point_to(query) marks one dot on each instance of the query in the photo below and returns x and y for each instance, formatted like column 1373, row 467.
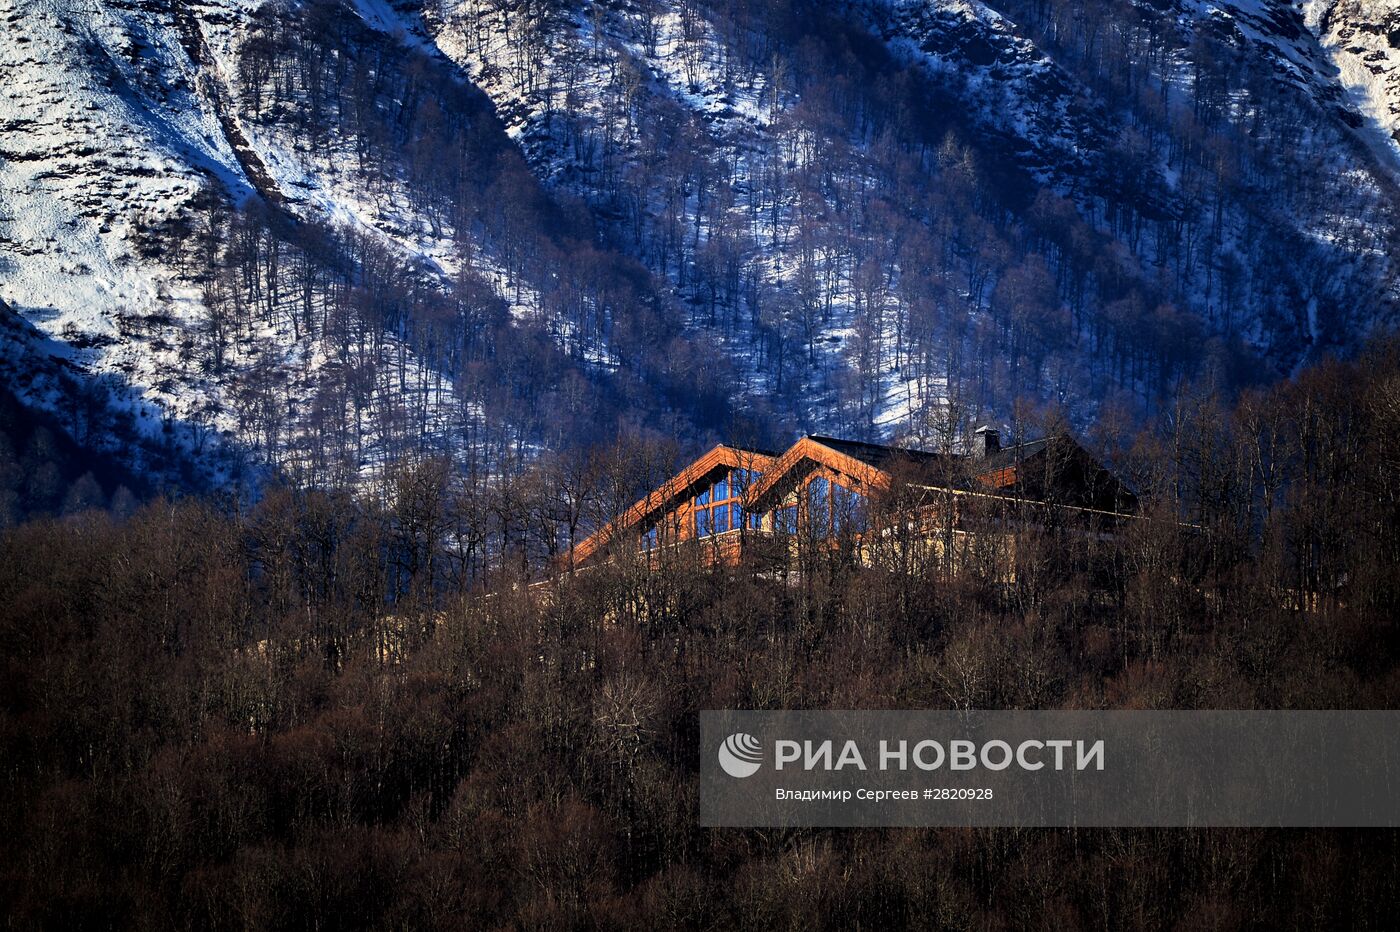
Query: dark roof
column 875, row 454
column 757, row 451
column 964, row 470
column 1009, row 456
column 881, row 456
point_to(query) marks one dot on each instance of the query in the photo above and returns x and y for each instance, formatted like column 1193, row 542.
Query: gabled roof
column 1056, row 468
column 865, row 463
column 722, row 456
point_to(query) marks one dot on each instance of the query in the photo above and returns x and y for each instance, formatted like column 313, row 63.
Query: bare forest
column 357, row 711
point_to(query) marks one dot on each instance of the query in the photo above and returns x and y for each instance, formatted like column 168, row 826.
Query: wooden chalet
column 823, row 489
column 704, row 501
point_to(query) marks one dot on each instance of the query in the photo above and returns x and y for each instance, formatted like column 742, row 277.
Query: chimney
column 986, row 441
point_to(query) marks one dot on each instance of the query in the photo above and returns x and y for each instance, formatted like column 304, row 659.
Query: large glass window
column 832, row 509
column 785, row 520
column 819, row 506
column 847, row 510
column 743, row 479
column 717, row 507
column 666, row 530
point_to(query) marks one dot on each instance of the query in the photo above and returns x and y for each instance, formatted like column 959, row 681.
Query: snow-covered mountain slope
column 101, row 133
column 1210, row 153
column 114, row 119
column 329, row 233
column 1362, row 38
column 125, row 130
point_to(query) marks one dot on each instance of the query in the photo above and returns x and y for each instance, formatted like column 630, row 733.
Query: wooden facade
column 827, row 489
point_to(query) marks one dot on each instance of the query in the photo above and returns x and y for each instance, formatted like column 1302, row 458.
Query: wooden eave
column 867, row 478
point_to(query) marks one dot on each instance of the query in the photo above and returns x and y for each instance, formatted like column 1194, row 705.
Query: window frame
column 709, row 503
